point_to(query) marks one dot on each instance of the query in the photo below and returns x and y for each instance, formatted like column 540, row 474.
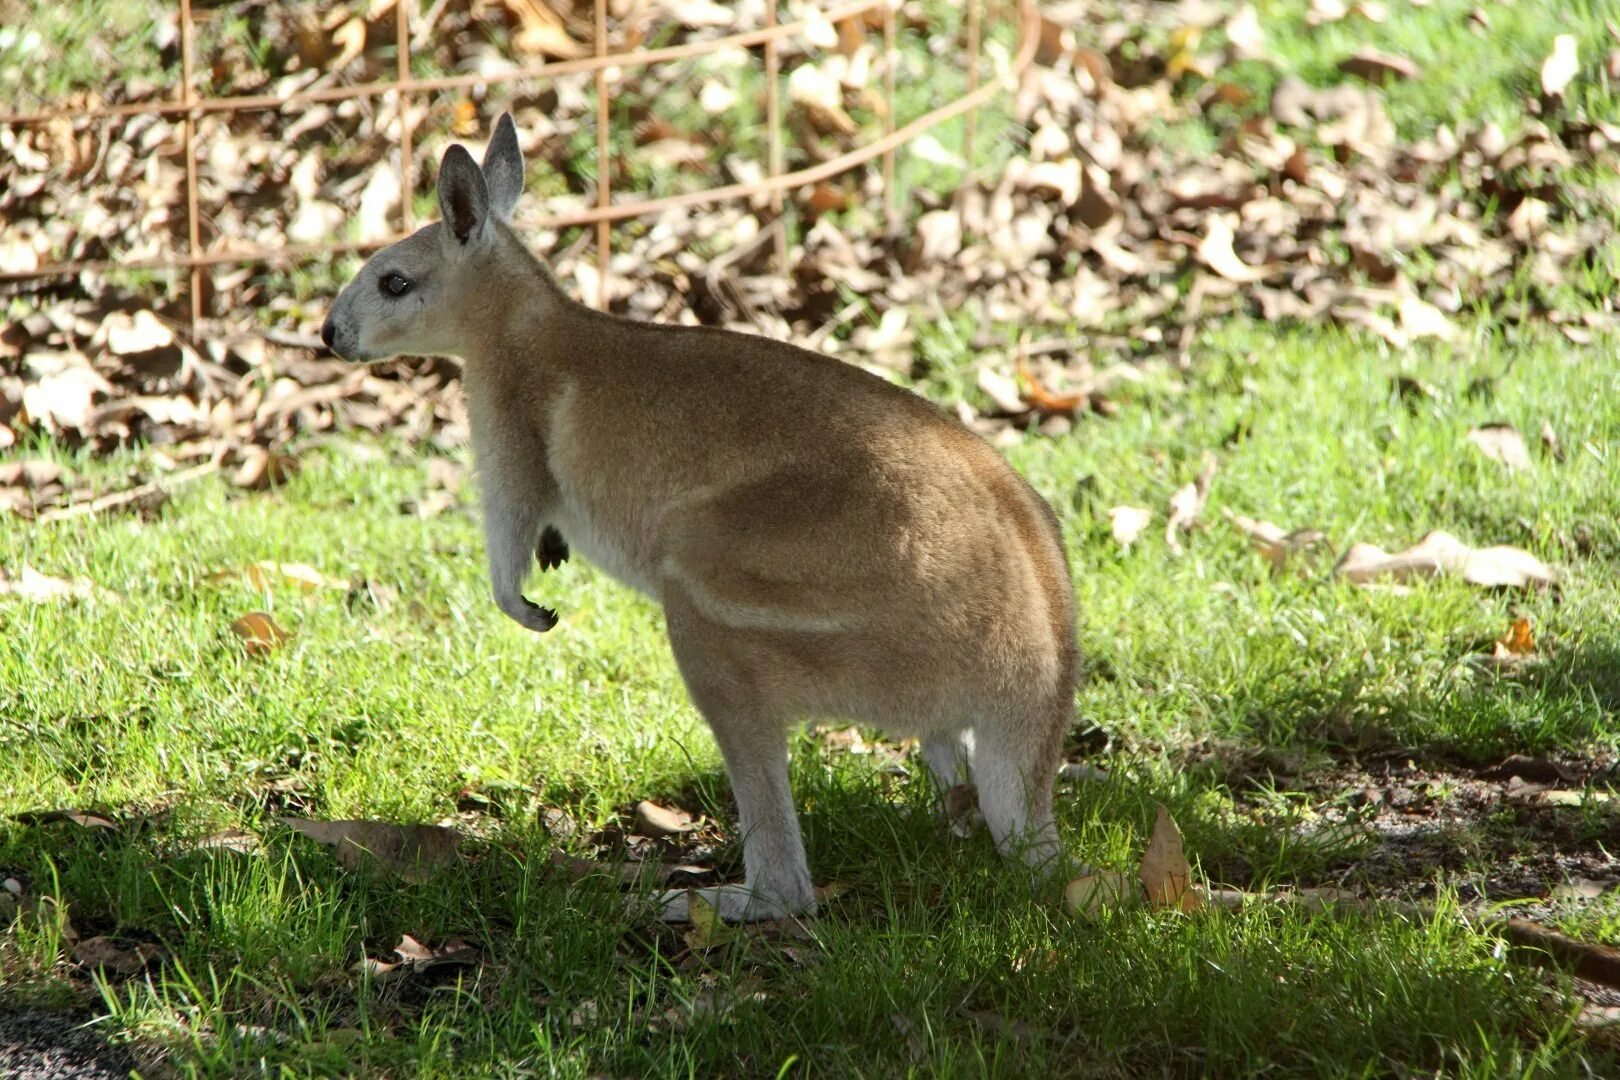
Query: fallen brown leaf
column 1187, row 503
column 112, row 955
column 658, row 821
column 1419, row 319
column 1502, row 442
column 1441, row 553
column 1216, row 251
column 261, row 468
column 1127, row 523
column 38, row 588
column 541, row 31
column 1549, row 441
column 1045, row 400
column 1371, row 65
column 243, row 843
column 1090, row 894
column 259, row 633
column 1165, row 872
column 82, row 818
column 707, row 930
column 411, row 851
column 1275, row 545
column 1561, row 66
column 1518, row 641
column 264, row 575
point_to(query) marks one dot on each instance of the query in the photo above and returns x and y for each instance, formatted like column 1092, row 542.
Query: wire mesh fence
column 206, row 132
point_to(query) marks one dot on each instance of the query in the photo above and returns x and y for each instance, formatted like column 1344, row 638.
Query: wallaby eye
column 396, row 284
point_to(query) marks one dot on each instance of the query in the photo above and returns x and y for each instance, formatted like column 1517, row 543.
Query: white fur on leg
column 1019, row 817
column 949, row 756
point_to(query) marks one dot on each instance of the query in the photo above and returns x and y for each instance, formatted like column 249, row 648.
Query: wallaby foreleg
column 511, row 532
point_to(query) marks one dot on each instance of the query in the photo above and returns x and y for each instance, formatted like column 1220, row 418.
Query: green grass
column 1229, row 694
column 146, row 707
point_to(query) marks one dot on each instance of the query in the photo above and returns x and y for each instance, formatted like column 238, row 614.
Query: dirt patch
column 44, row 1044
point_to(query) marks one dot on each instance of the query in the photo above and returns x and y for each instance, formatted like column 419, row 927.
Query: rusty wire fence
column 198, row 259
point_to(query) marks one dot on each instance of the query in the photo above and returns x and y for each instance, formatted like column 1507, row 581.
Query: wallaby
column 824, row 544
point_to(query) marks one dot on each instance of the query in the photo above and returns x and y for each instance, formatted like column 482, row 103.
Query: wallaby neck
column 520, row 316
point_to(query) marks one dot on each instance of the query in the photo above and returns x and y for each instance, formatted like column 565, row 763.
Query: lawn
column 1305, row 732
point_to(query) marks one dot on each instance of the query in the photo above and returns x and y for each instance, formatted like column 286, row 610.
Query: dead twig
column 134, row 495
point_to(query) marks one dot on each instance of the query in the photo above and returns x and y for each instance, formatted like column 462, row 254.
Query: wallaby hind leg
column 1013, row 772
column 948, row 757
column 753, row 740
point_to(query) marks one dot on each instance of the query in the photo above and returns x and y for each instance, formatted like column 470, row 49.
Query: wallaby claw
column 540, row 618
column 552, row 551
column 525, row 612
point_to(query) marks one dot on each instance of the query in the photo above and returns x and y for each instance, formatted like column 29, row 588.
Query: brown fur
column 824, row 544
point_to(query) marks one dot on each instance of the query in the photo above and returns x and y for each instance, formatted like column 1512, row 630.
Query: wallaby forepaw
column 527, row 613
column 552, row 551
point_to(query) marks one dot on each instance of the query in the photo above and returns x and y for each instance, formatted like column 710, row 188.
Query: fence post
column 604, row 236
column 193, row 230
column 891, row 209
column 407, row 169
column 969, row 122
column 773, row 129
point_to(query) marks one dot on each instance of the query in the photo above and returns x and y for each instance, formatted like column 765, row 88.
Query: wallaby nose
column 326, row 331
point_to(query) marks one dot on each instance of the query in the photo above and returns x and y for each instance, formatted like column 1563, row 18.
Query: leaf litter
column 1309, row 207
column 413, row 852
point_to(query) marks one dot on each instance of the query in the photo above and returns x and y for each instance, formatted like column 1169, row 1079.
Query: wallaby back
column 823, row 543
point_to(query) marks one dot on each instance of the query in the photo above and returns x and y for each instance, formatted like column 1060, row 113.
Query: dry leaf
column 1376, row 67
column 1561, row 797
column 1165, row 872
column 1528, row 220
column 33, row 473
column 1441, row 553
column 350, row 38
column 464, row 122
column 261, row 468
column 1002, row 391
column 130, row 335
column 1091, row 893
column 40, row 588
column 412, row 851
column 259, row 633
column 657, row 821
column 1580, row 888
column 1518, row 641
column 961, row 806
column 1244, row 32
column 243, row 843
column 1127, row 523
column 1419, row 318
column 1045, row 400
column 1502, row 442
column 416, row 957
column 1186, row 504
column 63, row 400
column 81, row 818
column 1275, row 545
column 707, row 930
column 1561, row 66
column 263, row 575
column 1216, row 252
column 114, row 956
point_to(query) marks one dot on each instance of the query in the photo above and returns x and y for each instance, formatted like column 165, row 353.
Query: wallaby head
column 407, row 297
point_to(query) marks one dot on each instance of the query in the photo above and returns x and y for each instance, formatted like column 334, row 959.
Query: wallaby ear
column 503, row 169
column 463, row 195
